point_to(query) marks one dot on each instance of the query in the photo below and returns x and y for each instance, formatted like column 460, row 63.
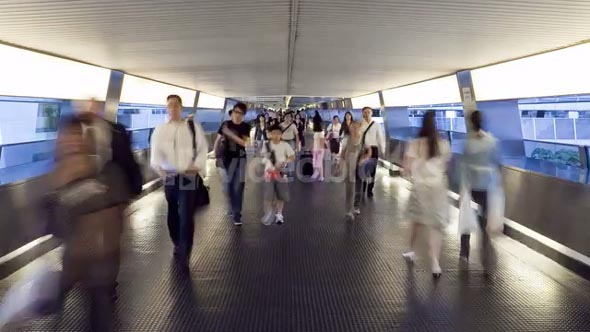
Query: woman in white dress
column 426, row 161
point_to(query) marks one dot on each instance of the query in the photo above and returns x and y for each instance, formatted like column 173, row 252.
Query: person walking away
column 110, row 146
column 277, row 154
column 333, row 136
column 236, row 137
column 372, row 137
column 319, row 148
column 352, row 157
column 181, row 167
column 300, row 124
column 480, row 175
column 260, row 133
column 426, row 162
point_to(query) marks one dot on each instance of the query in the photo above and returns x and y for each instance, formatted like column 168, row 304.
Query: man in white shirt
column 372, row 137
column 290, row 133
column 175, row 160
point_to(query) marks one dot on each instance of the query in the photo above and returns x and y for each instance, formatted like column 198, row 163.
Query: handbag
column 201, row 191
column 467, row 216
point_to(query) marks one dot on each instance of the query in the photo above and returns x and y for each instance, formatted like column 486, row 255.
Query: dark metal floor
column 318, row 272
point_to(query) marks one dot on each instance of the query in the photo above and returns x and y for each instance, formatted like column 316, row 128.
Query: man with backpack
column 179, row 155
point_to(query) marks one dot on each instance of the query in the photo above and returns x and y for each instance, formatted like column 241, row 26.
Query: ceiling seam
column 293, row 25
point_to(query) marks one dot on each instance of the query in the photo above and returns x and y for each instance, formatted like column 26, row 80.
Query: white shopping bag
column 22, row 301
column 467, row 216
column 496, row 209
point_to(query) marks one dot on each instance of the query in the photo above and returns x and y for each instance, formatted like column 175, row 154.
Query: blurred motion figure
column 426, row 162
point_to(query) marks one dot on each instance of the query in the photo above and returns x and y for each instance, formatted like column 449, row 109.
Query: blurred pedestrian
column 110, row 146
column 88, row 202
column 480, row 177
column 426, row 162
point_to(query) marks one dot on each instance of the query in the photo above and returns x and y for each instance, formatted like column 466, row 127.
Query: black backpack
column 123, row 157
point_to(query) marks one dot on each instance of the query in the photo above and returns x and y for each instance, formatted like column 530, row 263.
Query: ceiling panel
column 343, row 48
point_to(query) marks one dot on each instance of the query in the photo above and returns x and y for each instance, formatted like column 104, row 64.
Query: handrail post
column 584, row 161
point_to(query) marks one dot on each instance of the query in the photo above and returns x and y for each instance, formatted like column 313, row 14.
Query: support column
column 196, row 102
column 467, row 96
column 111, row 105
column 501, row 117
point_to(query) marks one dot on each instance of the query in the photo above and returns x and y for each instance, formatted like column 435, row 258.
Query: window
column 47, row 117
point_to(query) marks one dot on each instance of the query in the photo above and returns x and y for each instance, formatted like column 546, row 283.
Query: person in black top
column 261, row 130
column 235, row 136
column 300, row 123
column 345, row 129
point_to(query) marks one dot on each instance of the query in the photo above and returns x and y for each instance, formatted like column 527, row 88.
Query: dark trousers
column 91, row 256
column 487, row 252
column 236, row 183
column 369, row 172
column 180, row 195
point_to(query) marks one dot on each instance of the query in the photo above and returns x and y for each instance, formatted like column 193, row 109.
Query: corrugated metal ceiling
column 342, row 47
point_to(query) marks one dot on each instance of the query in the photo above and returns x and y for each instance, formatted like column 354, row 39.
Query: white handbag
column 467, row 215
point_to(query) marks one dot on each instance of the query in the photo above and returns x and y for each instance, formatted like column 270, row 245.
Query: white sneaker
column 409, row 256
column 280, row 218
column 436, row 270
column 357, row 211
column 321, row 179
column 350, row 216
column 268, row 218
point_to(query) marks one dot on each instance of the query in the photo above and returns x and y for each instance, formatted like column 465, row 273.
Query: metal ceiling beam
column 293, row 25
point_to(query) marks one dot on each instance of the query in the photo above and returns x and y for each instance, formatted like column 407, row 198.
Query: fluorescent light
column 210, row 101
column 557, row 73
column 370, row 100
column 25, row 73
column 138, row 90
column 443, row 90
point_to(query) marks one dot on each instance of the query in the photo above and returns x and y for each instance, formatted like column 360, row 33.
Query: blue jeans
column 235, row 171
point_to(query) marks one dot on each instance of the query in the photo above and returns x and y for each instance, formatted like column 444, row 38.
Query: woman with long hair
column 300, row 123
column 345, row 129
column 260, row 134
column 319, row 147
column 426, row 162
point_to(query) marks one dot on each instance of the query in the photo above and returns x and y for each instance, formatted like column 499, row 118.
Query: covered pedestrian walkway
column 319, row 272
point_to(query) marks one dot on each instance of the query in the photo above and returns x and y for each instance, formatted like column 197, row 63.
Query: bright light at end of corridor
column 30, row 74
column 557, row 73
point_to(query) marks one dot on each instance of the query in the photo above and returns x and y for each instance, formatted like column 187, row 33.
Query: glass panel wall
column 210, row 119
column 28, row 130
column 563, row 119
